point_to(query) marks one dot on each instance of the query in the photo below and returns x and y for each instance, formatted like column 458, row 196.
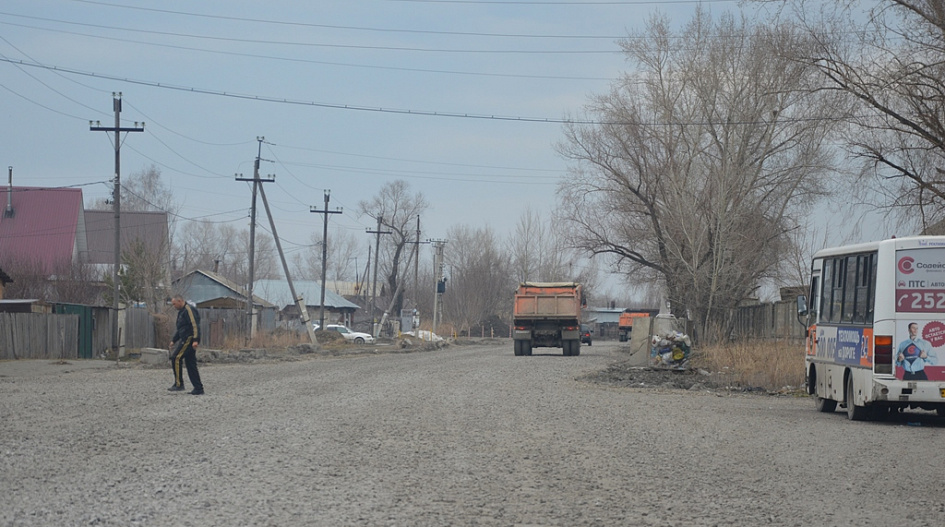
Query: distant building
column 43, row 228
column 336, row 307
column 148, row 227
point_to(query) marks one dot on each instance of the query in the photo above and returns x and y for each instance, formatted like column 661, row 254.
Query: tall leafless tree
column 481, row 282
column 343, row 250
column 538, row 249
column 398, row 207
column 700, row 161
column 889, row 59
column 221, row 246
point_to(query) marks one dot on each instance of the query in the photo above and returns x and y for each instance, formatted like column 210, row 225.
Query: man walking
column 184, row 346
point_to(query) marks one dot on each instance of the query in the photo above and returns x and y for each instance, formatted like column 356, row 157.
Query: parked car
column 586, row 334
column 352, row 336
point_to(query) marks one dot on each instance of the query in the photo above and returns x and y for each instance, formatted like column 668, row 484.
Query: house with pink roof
column 42, row 228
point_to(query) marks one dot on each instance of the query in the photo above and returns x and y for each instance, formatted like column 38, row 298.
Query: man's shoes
column 176, row 388
column 196, row 392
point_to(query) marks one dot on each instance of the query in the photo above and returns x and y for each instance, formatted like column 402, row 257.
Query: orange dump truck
column 547, row 314
column 625, row 324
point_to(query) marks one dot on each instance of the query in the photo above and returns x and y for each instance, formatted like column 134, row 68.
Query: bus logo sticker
column 905, row 265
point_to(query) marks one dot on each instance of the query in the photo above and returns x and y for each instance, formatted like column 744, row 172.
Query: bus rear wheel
column 823, row 405
column 854, row 412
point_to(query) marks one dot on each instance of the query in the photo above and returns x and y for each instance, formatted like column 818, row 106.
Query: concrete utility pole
column 440, row 287
column 299, row 301
column 326, row 212
column 377, row 248
column 416, row 266
column 257, row 184
column 116, row 202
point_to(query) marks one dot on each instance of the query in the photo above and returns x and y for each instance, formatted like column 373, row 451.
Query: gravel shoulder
column 463, row 435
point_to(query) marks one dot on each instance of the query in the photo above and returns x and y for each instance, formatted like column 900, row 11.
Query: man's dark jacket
column 188, row 324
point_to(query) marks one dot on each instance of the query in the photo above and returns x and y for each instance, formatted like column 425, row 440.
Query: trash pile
column 670, row 350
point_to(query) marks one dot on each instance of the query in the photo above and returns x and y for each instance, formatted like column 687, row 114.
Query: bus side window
column 826, row 291
column 814, row 307
column 836, row 290
column 865, row 281
column 850, row 284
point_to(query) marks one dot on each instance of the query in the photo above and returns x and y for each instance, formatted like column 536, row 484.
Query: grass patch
column 772, row 365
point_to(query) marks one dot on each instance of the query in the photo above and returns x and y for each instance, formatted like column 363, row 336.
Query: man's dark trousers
column 184, row 353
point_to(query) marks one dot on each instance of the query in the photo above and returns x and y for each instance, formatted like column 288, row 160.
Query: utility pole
column 299, row 301
column 116, row 201
column 416, row 267
column 257, row 184
column 377, row 248
column 326, row 212
column 440, row 286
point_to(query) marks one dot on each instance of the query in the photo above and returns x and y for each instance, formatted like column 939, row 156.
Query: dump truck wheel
column 517, row 347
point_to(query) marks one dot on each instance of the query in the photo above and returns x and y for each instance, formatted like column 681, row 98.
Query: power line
column 315, row 44
column 278, row 100
column 320, row 62
column 357, row 28
column 398, row 111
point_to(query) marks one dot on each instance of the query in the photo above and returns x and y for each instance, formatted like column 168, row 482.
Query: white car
column 353, row 336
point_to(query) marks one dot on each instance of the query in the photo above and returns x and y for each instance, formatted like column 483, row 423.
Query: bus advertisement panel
column 920, row 280
column 919, row 353
column 845, row 345
column 920, row 288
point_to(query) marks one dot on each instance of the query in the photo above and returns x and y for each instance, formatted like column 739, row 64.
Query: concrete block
column 153, row 356
column 640, row 341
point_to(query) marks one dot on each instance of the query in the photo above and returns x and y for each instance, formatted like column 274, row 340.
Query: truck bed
column 537, row 301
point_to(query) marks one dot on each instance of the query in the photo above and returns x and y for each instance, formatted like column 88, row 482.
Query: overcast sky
column 462, row 99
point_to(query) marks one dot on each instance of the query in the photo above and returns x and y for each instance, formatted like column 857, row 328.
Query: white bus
column 876, row 327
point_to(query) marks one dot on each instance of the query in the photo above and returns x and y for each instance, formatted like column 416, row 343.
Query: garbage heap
column 670, row 350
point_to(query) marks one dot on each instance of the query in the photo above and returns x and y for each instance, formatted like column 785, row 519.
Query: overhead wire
column 312, row 44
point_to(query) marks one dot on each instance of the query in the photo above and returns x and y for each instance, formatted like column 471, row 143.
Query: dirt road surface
column 466, row 435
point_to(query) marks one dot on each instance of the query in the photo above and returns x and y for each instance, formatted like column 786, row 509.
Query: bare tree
column 343, row 250
column 220, row 246
column 481, row 281
column 69, row 282
column 143, row 191
column 539, row 252
column 890, row 62
column 397, row 207
column 701, row 159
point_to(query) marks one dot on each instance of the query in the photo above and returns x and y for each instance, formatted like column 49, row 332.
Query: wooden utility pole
column 116, row 202
column 326, row 212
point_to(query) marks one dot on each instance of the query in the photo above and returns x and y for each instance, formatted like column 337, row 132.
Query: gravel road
column 466, row 435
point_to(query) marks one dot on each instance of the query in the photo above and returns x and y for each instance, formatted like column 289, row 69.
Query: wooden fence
column 774, row 321
column 38, row 336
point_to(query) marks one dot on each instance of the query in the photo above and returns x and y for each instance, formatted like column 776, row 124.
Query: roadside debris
column 670, row 350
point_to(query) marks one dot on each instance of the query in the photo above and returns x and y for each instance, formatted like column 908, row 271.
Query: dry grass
column 266, row 340
column 773, row 365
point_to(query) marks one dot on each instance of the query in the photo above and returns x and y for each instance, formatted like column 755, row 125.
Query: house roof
column 279, row 293
column 149, row 226
column 46, row 227
column 226, row 293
